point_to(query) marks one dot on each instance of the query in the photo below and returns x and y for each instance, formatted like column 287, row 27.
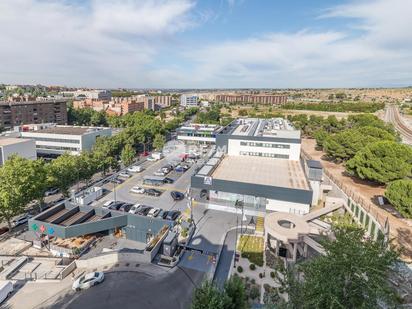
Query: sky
column 206, row 43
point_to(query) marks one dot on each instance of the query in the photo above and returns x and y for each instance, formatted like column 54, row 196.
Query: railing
column 376, row 220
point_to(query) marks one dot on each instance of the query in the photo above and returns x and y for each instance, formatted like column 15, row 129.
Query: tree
column 18, row 186
column 159, row 141
column 208, row 296
column 399, row 193
column 63, row 172
column 382, row 162
column 41, row 184
column 353, row 273
column 344, row 145
column 235, row 292
column 127, row 155
column 320, row 136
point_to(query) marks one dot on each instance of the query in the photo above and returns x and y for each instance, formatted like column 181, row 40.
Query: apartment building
column 52, row 140
column 89, row 94
column 25, row 148
column 162, row 100
column 189, row 100
column 251, row 98
column 19, row 113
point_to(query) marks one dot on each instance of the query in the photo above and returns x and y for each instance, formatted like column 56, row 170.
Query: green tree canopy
column 63, row 172
column 382, row 162
column 159, row 141
column 399, row 193
column 18, row 186
column 128, row 154
column 353, row 273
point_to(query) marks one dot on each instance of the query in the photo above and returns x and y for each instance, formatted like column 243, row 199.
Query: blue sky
column 206, row 43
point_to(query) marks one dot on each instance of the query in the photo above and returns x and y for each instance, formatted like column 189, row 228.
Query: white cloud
column 374, row 49
column 99, row 43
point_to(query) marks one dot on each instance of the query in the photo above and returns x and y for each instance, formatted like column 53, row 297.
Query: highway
column 392, row 116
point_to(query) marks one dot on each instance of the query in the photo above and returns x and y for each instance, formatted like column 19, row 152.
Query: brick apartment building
column 251, row 98
column 18, row 113
column 162, row 100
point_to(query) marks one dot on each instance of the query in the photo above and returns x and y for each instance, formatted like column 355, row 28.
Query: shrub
column 254, row 292
column 272, row 274
column 399, row 193
column 239, row 269
column 260, row 275
column 253, row 281
column 252, row 266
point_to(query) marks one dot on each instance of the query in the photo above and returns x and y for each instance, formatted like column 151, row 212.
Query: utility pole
column 237, row 224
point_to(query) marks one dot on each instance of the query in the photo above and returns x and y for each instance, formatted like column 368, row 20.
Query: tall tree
column 382, row 162
column 208, row 296
column 128, row 154
column 159, row 141
column 353, row 273
column 399, row 193
column 235, row 292
column 18, row 186
column 63, row 172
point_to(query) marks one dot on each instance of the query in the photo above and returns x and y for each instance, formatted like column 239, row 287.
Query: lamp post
column 237, row 224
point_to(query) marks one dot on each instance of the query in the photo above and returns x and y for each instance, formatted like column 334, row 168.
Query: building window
column 264, row 154
column 266, row 145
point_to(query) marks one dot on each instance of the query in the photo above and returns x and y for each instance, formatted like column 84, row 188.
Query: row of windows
column 201, row 134
column 264, row 154
column 58, row 140
column 57, row 148
column 267, row 145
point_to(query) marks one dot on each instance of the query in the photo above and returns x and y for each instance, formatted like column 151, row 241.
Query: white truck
column 6, row 288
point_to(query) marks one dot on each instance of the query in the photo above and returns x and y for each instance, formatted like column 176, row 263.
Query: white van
column 6, row 288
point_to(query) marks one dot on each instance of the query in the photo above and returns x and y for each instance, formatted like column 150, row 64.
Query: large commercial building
column 89, row 94
column 189, row 100
column 198, row 133
column 25, row 148
column 18, row 113
column 52, row 140
column 257, row 165
column 252, row 98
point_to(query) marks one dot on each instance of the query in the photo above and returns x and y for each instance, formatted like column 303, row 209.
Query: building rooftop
column 263, row 171
column 69, row 130
column 7, row 103
column 275, row 127
column 5, row 141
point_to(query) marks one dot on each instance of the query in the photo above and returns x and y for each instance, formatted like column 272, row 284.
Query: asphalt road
column 170, row 289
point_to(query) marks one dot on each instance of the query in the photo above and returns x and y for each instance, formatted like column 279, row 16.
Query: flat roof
column 5, row 141
column 68, row 130
column 274, row 127
column 263, row 171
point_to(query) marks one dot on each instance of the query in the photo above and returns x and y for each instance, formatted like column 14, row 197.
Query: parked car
column 153, row 192
column 51, row 191
column 21, row 220
column 177, row 196
column 124, row 175
column 150, row 158
column 107, row 204
column 171, row 215
column 3, row 230
column 143, row 210
column 159, row 173
column 6, row 288
column 168, row 180
column 153, row 212
column 165, row 170
column 116, row 205
column 135, row 169
column 137, row 190
column 117, row 181
column 88, row 280
column 125, row 207
column 204, row 194
column 134, row 209
column 180, row 169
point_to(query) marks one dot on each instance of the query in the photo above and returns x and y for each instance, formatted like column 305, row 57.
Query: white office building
column 198, row 133
column 55, row 140
column 189, row 100
column 25, row 148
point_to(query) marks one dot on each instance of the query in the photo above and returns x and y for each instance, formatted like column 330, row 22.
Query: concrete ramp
column 323, row 211
column 314, row 245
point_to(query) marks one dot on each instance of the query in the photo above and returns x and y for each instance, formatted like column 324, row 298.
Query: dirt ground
column 400, row 229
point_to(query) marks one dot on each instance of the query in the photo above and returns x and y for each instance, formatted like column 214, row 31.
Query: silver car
column 88, row 280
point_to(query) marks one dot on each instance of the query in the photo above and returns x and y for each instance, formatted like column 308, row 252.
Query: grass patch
column 251, row 247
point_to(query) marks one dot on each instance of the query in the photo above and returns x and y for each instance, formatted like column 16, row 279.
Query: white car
column 159, row 173
column 88, row 280
column 135, row 169
column 138, row 190
column 124, row 175
column 134, row 208
column 109, row 203
column 150, row 158
column 153, row 212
